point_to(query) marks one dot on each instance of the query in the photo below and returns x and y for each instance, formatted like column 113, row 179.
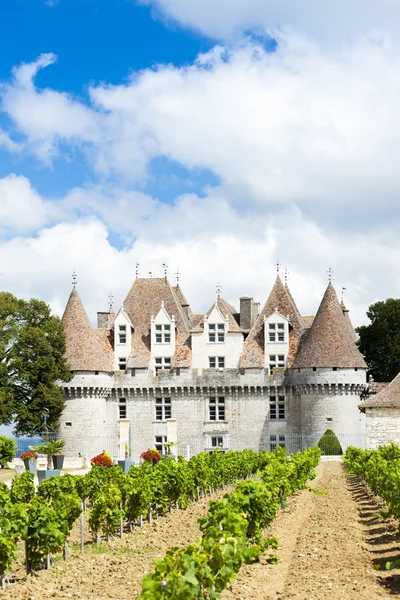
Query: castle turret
column 329, row 374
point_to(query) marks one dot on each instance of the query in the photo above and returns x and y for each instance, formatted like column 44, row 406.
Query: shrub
column 28, row 455
column 7, row 450
column 101, row 460
column 329, row 444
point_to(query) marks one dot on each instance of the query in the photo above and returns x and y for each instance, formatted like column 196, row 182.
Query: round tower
column 329, row 374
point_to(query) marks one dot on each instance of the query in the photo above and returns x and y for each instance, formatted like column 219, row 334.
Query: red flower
column 152, row 456
column 101, row 460
column 28, row 455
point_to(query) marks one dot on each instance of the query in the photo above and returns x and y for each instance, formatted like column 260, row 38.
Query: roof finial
column 278, row 266
column 110, row 302
column 74, row 278
column 286, row 276
column 165, row 267
column 219, row 289
column 343, row 290
column 137, row 270
column 178, row 276
column 330, row 275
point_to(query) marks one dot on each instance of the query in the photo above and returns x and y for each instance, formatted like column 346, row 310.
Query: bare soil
column 332, row 546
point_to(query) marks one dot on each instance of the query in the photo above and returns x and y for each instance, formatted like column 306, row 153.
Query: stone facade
column 191, row 379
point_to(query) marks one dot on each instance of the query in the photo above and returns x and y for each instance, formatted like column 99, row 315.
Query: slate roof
column 87, row 349
column 329, row 342
column 253, row 355
column 389, row 397
column 227, row 310
column 143, row 302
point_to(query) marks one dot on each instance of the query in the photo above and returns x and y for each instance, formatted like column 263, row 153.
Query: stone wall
column 382, row 426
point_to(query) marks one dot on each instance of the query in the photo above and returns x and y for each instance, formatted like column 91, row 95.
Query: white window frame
column 277, row 440
column 216, row 333
column 162, row 333
column 213, row 361
column 277, row 408
column 122, row 363
column 276, row 361
column 217, row 441
column 163, row 408
column 163, row 363
column 276, row 333
column 159, row 443
column 122, row 334
column 216, row 408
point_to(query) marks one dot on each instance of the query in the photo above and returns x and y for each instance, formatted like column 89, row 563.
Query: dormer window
column 276, row 361
column 122, row 364
column 276, row 332
column 163, row 334
column 162, row 363
column 122, row 334
column 216, row 332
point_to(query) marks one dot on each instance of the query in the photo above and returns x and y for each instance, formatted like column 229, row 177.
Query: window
column 277, row 411
column 217, row 441
column 162, row 362
column 276, row 360
column 122, row 334
column 68, row 424
column 122, row 364
column 122, row 408
column 163, row 409
column 216, row 332
column 216, row 408
column 213, row 361
column 276, row 332
column 276, row 440
column 161, row 440
column 163, row 334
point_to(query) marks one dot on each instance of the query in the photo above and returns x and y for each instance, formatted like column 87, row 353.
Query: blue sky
column 214, row 135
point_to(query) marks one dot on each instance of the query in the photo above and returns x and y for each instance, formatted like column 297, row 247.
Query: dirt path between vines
column 113, row 571
column 330, row 546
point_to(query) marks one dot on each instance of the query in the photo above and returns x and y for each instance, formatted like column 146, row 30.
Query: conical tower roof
column 87, row 349
column 281, row 300
column 329, row 342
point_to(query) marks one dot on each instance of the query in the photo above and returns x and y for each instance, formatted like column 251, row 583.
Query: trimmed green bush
column 7, row 450
column 329, row 444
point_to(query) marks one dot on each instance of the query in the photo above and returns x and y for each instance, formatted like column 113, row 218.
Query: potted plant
column 49, row 449
column 101, row 460
column 152, row 456
column 126, row 464
column 57, row 447
column 30, row 460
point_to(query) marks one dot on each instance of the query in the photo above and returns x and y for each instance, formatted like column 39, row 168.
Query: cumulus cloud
column 21, row 208
column 328, row 22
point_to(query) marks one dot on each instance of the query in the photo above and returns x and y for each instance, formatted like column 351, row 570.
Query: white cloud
column 21, row 207
column 7, row 143
column 326, row 21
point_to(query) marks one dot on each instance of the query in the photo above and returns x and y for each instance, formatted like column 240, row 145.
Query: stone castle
column 156, row 374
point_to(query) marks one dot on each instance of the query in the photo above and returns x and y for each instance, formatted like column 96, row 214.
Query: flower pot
column 31, row 465
column 58, row 461
column 125, row 465
column 45, row 474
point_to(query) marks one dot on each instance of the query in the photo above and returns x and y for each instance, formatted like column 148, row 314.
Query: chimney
column 104, row 320
column 255, row 311
column 246, row 306
column 185, row 308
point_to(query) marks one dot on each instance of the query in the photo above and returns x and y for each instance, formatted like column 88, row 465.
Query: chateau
column 155, row 373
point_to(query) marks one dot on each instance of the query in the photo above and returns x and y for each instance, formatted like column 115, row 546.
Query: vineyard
column 115, row 504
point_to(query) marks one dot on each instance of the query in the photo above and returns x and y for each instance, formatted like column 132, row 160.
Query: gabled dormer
column 163, row 334
column 216, row 326
column 276, row 336
column 123, row 329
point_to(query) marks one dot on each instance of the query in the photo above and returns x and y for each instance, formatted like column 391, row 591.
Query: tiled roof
column 307, row 321
column 195, row 319
column 329, row 342
column 180, row 295
column 253, row 355
column 87, row 349
column 389, row 397
column 227, row 310
column 143, row 302
column 349, row 323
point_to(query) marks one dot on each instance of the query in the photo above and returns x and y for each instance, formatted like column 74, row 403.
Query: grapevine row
column 231, row 532
column 44, row 518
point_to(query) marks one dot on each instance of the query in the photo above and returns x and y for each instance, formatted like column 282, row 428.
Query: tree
column 8, row 448
column 329, row 444
column 380, row 341
column 32, row 348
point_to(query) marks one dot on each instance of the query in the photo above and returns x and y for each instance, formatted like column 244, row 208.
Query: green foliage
column 7, row 450
column 50, row 449
column 32, row 348
column 380, row 340
column 22, row 488
column 329, row 444
column 231, row 532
